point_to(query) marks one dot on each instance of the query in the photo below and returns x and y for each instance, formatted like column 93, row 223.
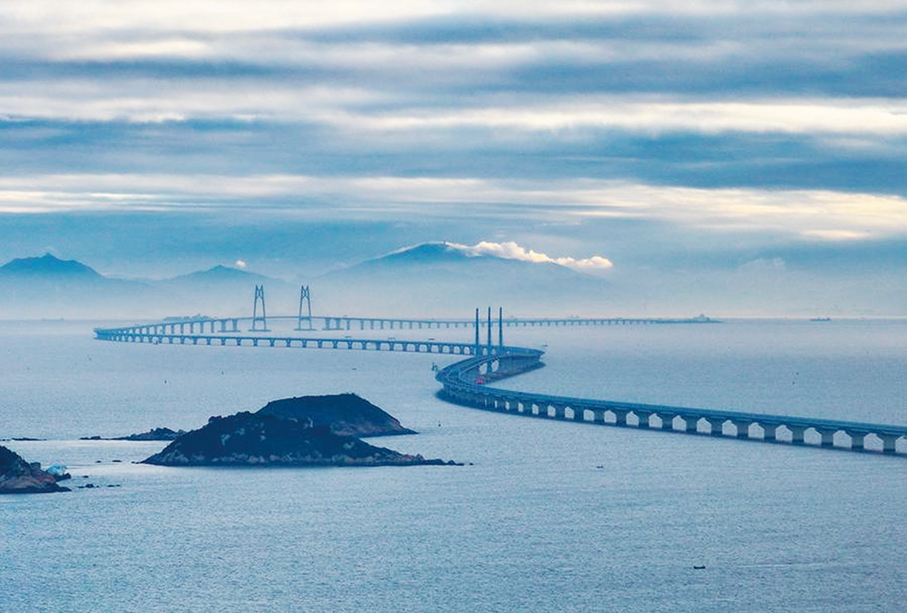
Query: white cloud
column 828, row 116
column 512, row 251
column 240, row 264
column 809, row 214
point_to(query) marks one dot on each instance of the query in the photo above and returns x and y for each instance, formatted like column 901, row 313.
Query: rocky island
column 19, row 477
column 155, row 434
column 344, row 414
column 256, row 439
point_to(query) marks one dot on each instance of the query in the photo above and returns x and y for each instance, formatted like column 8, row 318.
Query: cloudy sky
column 747, row 155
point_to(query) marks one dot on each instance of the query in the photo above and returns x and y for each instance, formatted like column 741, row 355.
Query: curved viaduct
column 466, row 383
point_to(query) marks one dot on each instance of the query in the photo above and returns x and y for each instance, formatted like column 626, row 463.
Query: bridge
column 227, row 325
column 466, row 381
column 155, row 336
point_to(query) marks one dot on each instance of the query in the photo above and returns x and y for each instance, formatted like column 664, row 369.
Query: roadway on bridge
column 464, row 382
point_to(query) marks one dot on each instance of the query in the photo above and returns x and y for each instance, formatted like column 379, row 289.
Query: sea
column 543, row 516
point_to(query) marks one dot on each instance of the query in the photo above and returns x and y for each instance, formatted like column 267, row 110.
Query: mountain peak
column 428, row 251
column 48, row 265
column 221, row 273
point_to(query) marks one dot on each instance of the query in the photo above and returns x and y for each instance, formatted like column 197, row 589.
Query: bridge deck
column 460, row 383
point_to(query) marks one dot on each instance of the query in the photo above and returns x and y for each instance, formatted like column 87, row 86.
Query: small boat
column 695, row 567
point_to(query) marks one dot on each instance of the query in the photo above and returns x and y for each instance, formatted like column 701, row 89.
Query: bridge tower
column 305, row 298
column 256, row 318
column 500, row 326
column 477, row 332
column 489, row 326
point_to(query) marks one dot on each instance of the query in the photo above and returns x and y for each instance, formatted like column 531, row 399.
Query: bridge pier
column 769, row 432
column 856, row 439
column 643, row 418
column 667, row 420
column 690, row 422
column 717, row 425
column 828, row 436
column 889, row 442
column 797, row 434
column 743, row 428
column 620, row 417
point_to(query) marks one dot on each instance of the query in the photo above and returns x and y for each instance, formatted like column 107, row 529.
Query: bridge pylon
column 259, row 322
column 500, row 326
column 305, row 298
column 477, row 333
column 489, row 326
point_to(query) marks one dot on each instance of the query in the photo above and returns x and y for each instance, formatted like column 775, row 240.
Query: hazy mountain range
column 431, row 279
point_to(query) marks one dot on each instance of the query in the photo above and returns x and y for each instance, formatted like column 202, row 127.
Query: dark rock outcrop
column 247, row 439
column 155, row 434
column 19, row 477
column 344, row 414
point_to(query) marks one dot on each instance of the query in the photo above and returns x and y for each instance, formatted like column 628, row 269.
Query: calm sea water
column 534, row 524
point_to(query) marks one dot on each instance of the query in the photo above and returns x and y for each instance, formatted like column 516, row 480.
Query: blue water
column 532, row 525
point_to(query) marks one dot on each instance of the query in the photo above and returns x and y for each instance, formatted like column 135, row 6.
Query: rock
column 155, row 434
column 59, row 472
column 247, row 439
column 19, row 477
column 344, row 414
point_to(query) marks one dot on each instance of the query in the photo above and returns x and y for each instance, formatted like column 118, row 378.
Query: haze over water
column 548, row 516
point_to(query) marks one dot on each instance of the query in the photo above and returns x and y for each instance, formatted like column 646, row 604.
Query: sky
column 748, row 157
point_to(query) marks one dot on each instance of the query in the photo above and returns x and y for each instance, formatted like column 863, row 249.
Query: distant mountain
column 438, row 256
column 446, row 279
column 221, row 274
column 224, row 290
column 427, row 280
column 48, row 266
column 48, row 287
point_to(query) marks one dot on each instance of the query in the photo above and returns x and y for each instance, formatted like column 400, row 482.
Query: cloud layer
column 656, row 132
column 512, row 251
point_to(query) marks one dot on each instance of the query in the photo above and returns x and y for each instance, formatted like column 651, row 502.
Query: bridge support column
column 667, row 421
column 643, row 418
column 889, row 442
column 620, row 417
column 560, row 412
column 796, row 435
column 598, row 417
column 690, row 422
column 828, row 437
column 856, row 440
column 743, row 428
column 769, row 432
column 717, row 425
column 579, row 414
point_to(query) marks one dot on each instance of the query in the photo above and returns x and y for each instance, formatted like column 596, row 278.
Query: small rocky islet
column 20, row 477
column 251, row 439
column 345, row 414
column 155, row 434
column 305, row 431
